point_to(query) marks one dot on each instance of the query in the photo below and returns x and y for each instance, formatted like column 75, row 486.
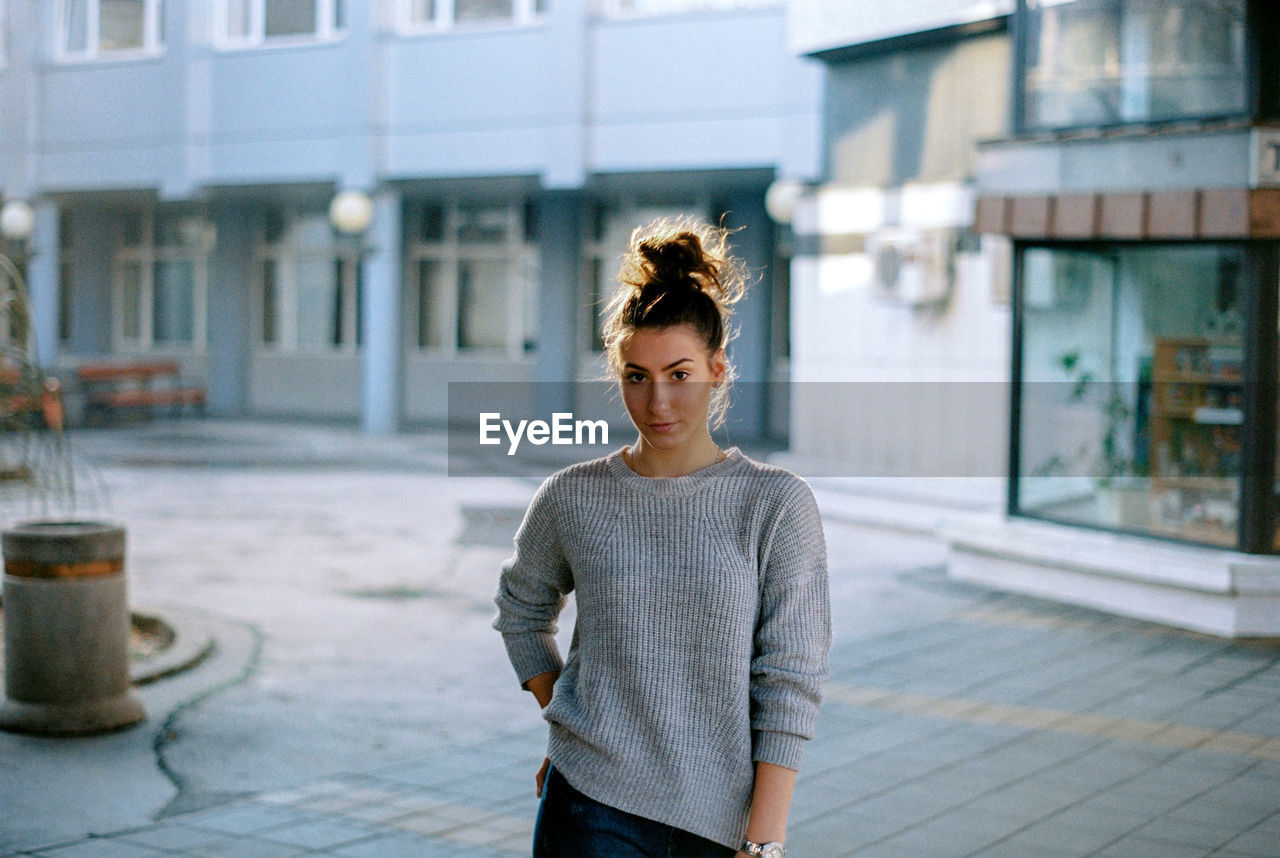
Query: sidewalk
column 958, row 721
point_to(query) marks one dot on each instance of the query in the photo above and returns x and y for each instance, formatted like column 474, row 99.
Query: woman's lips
column 662, row 427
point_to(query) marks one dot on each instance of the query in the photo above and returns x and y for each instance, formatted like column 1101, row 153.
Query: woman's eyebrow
column 664, row 369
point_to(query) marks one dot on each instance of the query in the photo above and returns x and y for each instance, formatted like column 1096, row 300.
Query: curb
column 192, row 642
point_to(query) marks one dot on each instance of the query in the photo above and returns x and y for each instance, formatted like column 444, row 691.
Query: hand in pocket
column 541, row 777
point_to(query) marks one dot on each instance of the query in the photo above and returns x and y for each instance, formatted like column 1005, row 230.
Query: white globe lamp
column 351, row 212
column 781, row 198
column 17, row 220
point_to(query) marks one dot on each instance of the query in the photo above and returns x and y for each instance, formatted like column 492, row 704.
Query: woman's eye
column 635, row 378
column 680, row 374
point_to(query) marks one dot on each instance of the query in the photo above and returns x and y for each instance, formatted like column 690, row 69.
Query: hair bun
column 674, row 259
column 674, row 255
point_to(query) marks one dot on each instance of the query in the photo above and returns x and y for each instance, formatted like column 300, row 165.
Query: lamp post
column 374, row 225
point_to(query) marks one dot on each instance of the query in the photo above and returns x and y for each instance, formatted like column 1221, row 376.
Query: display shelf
column 1197, row 401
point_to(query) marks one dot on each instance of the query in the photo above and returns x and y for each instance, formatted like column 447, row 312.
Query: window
column 1104, row 62
column 608, row 236
column 160, row 274
column 248, row 23
column 474, row 270
column 446, row 14
column 628, row 8
column 1131, row 401
column 89, row 29
column 309, row 286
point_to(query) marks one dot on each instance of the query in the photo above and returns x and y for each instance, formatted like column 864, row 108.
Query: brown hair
column 677, row 271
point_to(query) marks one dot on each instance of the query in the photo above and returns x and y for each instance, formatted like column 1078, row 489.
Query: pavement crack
column 188, row 797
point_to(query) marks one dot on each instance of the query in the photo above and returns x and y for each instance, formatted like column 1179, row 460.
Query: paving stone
column 1091, row 817
column 1193, row 832
column 1023, row 801
column 320, row 833
column 101, row 848
column 1171, row 781
column 244, row 818
column 246, row 847
column 1238, row 817
column 839, row 833
column 1143, row 847
column 395, row 845
column 1245, row 791
column 927, row 841
column 1256, row 841
column 1049, row 841
column 1123, row 800
column 170, row 837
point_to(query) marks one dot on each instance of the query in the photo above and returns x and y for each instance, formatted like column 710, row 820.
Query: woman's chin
column 663, row 440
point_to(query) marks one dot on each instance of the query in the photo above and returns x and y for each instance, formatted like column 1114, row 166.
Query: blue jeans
column 570, row 825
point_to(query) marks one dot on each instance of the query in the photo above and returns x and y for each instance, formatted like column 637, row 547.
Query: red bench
column 113, row 387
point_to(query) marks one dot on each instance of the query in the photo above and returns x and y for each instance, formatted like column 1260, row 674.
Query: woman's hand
column 541, row 777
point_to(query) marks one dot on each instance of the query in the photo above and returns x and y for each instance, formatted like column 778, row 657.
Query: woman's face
column 666, row 383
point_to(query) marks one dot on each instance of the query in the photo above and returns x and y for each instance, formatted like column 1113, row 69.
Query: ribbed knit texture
column 702, row 634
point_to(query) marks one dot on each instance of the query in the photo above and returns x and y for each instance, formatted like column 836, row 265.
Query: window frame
column 1258, row 519
column 146, row 254
column 525, row 13
column 1021, row 48
column 518, row 249
column 286, row 255
column 325, row 31
column 152, row 34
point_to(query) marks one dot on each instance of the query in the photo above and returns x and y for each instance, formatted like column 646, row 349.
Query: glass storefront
column 1131, row 397
column 1105, row 62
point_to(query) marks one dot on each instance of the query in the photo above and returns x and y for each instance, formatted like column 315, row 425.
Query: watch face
column 771, row 850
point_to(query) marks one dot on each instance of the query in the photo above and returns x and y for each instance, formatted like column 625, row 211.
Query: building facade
column 182, row 158
column 1113, row 258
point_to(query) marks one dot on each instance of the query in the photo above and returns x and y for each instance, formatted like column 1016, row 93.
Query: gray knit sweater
column 702, row 633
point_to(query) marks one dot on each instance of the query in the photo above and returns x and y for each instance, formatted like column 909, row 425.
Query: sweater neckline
column 663, row 486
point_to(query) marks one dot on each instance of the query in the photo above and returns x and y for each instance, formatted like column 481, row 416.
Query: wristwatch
column 773, row 849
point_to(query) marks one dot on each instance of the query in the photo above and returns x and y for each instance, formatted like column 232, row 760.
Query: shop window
column 309, row 286
column 1105, row 62
column 249, row 23
column 420, row 15
column 89, row 29
column 1130, row 406
column 475, row 279
column 160, row 275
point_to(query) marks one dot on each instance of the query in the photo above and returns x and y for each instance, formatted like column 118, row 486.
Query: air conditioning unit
column 915, row 267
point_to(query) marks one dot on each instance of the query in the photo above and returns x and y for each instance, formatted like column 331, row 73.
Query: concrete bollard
column 66, row 630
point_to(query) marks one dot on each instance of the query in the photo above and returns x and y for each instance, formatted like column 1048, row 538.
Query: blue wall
column 560, row 100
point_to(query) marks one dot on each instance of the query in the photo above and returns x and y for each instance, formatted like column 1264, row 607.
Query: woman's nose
column 659, row 395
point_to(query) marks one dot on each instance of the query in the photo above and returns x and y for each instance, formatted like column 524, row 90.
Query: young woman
column 678, row 720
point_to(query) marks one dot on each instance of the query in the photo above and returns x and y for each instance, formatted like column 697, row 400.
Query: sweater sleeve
column 793, row 632
column 531, row 590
